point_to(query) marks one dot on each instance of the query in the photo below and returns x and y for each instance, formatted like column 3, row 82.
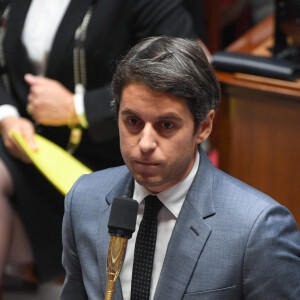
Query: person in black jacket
column 58, row 82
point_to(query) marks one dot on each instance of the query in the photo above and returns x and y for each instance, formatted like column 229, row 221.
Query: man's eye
column 167, row 125
column 132, row 121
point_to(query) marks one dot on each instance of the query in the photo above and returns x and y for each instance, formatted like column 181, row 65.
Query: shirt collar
column 173, row 197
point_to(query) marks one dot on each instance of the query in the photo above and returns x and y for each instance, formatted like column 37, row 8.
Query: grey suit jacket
column 230, row 241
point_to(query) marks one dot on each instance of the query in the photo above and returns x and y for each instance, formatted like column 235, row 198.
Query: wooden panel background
column 257, row 128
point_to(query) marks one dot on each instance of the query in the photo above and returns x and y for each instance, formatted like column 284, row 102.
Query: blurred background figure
column 3, row 4
column 261, row 9
column 57, row 58
column 226, row 20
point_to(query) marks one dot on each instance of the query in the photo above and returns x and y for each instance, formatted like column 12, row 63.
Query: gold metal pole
column 115, row 258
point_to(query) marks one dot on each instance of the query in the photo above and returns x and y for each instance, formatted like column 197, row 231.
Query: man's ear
column 205, row 127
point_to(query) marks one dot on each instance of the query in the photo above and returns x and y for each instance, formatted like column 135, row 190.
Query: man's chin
column 153, row 185
column 148, row 181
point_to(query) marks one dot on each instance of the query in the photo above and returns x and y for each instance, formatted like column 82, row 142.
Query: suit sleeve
column 156, row 17
column 73, row 287
column 5, row 98
column 100, row 114
column 272, row 258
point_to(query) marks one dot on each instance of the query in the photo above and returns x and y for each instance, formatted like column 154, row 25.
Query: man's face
column 157, row 137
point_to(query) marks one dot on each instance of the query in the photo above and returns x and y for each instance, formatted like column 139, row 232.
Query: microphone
column 121, row 225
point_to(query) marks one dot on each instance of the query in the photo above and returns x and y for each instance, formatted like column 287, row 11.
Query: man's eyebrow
column 171, row 116
column 129, row 112
column 167, row 116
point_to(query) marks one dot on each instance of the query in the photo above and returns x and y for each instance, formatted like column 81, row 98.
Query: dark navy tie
column 144, row 250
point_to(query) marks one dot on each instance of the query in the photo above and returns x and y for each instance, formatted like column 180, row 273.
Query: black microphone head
column 122, row 217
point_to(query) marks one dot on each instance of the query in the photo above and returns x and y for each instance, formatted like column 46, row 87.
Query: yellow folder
column 56, row 164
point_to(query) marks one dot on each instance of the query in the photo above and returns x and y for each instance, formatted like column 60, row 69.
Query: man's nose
column 147, row 140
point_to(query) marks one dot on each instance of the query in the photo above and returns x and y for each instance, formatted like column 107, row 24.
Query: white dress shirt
column 172, row 199
column 40, row 27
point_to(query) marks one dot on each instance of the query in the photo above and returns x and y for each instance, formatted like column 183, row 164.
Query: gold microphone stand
column 115, row 258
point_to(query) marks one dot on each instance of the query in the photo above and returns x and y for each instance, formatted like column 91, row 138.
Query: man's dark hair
column 175, row 66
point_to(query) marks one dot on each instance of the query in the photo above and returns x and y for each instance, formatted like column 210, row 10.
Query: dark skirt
column 41, row 209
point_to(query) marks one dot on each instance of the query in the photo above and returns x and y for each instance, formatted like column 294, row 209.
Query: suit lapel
column 189, row 236
column 123, row 188
column 15, row 53
column 188, row 239
column 16, row 21
column 65, row 34
column 18, row 13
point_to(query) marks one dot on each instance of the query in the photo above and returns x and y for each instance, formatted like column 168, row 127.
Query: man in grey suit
column 217, row 238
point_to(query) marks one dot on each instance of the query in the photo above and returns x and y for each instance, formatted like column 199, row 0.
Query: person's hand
column 24, row 127
column 49, row 102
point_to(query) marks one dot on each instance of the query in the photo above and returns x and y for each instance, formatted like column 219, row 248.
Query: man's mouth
column 146, row 163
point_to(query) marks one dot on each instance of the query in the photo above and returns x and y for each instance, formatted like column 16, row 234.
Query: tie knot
column 152, row 207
